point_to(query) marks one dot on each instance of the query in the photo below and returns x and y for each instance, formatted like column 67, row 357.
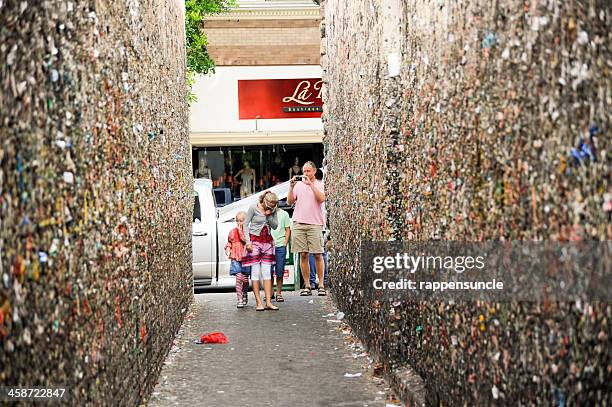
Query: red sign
column 279, row 98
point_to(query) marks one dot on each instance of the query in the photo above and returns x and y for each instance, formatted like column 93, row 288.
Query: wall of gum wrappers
column 490, row 121
column 95, row 195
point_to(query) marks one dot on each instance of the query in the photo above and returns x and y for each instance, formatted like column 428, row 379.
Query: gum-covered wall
column 469, row 121
column 95, row 195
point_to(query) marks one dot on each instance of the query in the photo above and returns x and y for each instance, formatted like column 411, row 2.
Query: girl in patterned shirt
column 235, row 251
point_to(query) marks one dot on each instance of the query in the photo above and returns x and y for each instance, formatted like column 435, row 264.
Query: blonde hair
column 243, row 213
column 270, row 197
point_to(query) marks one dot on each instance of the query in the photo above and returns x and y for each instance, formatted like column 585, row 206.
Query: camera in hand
column 299, row 177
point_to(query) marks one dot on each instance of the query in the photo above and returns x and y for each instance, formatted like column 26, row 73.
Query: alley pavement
column 301, row 355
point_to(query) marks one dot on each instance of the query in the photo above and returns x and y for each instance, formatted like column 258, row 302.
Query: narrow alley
column 301, row 355
column 428, row 182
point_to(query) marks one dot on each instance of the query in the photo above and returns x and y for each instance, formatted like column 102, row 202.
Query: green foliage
column 198, row 60
column 191, row 97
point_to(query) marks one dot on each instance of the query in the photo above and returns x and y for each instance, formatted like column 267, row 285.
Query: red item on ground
column 214, row 337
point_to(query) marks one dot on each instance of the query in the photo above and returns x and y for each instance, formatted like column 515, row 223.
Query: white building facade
column 258, row 116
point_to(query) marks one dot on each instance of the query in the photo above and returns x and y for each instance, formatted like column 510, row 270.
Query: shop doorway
column 238, row 171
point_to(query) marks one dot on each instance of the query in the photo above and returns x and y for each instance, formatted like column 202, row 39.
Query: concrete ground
column 297, row 356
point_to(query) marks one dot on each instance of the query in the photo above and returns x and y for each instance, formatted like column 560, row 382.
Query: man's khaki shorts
column 306, row 238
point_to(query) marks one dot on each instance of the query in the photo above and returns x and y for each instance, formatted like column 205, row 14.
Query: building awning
column 254, row 138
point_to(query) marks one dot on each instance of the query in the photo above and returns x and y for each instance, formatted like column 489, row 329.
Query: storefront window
column 246, row 170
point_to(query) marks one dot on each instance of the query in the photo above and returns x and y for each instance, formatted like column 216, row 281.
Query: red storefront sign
column 279, row 98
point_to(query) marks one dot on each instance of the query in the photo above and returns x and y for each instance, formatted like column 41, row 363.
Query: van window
column 223, row 196
column 197, row 213
column 203, row 204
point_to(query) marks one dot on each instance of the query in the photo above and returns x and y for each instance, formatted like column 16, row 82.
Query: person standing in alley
column 281, row 236
column 260, row 220
column 234, row 249
column 311, row 262
column 308, row 194
column 311, row 257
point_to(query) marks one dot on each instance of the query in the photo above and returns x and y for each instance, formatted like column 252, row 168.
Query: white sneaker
column 245, row 299
column 240, row 304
